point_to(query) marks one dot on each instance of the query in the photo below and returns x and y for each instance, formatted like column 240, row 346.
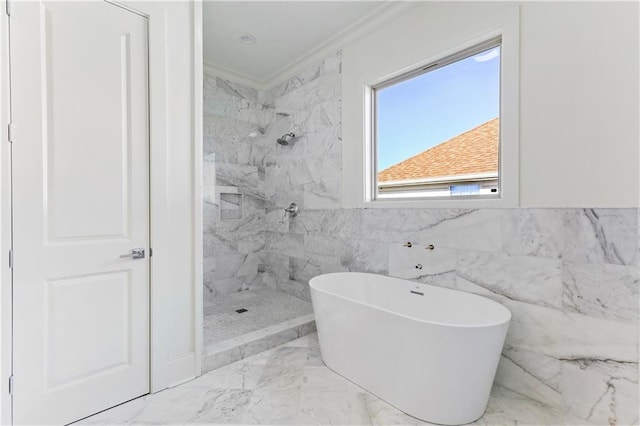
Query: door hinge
column 11, row 385
column 150, row 252
column 10, row 259
column 8, row 7
column 10, row 132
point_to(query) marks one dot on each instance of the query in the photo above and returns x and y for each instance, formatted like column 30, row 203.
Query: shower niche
column 230, row 206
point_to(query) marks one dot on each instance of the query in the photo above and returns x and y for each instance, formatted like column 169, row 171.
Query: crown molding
column 363, row 26
column 228, row 74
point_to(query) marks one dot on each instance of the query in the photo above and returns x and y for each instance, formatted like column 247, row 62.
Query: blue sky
column 424, row 111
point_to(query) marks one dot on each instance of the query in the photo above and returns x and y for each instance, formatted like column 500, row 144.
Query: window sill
column 458, row 203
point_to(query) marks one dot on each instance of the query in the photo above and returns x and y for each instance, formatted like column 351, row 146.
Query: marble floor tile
column 288, row 385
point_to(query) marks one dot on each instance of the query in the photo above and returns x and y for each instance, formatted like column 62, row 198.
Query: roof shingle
column 475, row 151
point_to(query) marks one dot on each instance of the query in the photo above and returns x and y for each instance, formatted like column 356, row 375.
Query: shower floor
column 270, row 318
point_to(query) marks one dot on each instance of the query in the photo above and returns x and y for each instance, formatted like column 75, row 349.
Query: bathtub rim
column 440, row 324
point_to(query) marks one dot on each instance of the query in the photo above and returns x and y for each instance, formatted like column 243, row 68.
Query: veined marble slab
column 289, row 385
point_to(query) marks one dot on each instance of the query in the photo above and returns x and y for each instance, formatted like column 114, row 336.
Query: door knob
column 136, row 253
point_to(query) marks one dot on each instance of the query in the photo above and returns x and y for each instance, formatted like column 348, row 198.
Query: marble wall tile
column 601, row 290
column 327, row 65
column 278, row 220
column 210, row 211
column 325, row 114
column 321, row 249
column 303, row 269
column 237, row 90
column 234, row 163
column 251, row 150
column 218, row 287
column 365, row 256
column 237, row 109
column 281, row 190
column 322, row 187
column 209, row 170
column 601, row 236
column 295, row 288
column 416, row 262
column 392, row 225
column 237, row 265
column 276, row 269
column 223, row 135
column 216, row 244
column 447, row 279
column 479, row 230
column 348, row 224
column 282, row 124
column 533, row 232
column 325, row 144
column 237, row 237
column 287, row 244
column 291, row 102
column 524, row 278
column 249, row 179
column 326, row 87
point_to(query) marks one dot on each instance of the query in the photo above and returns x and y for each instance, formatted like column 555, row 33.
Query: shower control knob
column 292, row 210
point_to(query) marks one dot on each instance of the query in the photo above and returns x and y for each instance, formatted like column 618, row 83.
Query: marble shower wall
column 249, row 180
column 306, row 172
column 235, row 121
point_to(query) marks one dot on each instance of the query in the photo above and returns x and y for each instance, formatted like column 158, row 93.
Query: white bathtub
column 432, row 354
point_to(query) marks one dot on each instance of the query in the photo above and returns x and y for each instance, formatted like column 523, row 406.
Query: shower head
column 284, row 140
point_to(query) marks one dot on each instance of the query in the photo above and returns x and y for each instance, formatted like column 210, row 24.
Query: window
column 436, row 130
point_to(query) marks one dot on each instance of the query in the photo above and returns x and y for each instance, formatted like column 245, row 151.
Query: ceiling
column 285, row 31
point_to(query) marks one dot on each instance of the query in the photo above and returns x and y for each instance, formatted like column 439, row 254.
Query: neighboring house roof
column 472, row 152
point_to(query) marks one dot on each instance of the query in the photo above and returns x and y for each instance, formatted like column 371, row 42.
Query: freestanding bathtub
column 431, row 352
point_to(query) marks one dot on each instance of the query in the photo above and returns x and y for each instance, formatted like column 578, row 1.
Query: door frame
column 175, row 117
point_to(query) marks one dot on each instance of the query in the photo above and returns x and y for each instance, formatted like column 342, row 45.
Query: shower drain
column 240, row 311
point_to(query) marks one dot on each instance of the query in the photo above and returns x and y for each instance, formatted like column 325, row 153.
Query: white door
column 81, row 200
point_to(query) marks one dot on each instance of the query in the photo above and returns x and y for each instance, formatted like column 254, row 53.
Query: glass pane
column 441, row 128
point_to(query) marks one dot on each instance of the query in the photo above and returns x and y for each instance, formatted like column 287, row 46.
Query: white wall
column 579, row 104
column 578, row 82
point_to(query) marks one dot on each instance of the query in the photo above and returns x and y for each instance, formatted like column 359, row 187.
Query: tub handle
column 430, row 247
column 407, row 244
column 419, row 266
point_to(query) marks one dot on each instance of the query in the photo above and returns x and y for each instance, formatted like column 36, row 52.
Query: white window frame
column 509, row 116
column 372, row 162
column 427, row 33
